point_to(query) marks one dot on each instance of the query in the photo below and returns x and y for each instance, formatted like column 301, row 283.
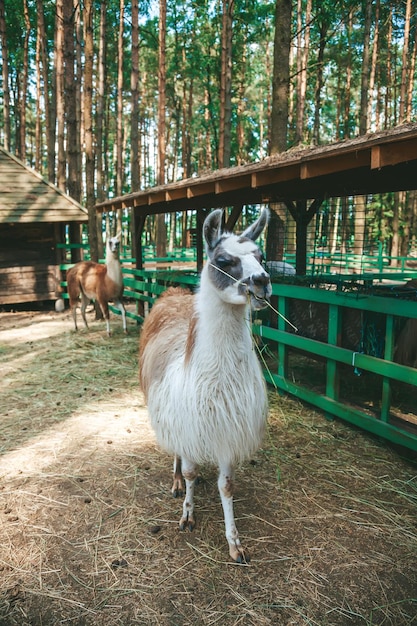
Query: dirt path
column 88, row 530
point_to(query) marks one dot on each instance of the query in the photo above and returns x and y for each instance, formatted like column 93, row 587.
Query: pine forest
column 106, row 98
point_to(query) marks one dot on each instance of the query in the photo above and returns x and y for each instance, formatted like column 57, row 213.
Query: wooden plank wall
column 28, row 263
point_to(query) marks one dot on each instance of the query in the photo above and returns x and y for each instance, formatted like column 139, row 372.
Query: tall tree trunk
column 360, row 201
column 241, row 106
column 71, row 181
column 72, row 141
column 78, row 95
column 281, row 76
column 346, row 129
column 404, row 63
column 374, row 64
column 38, row 122
column 119, row 115
column 410, row 84
column 60, row 109
column 21, row 151
column 5, row 75
column 302, row 61
column 186, row 122
column 399, row 200
column 134, row 91
column 162, row 93
column 279, row 115
column 359, row 224
column 319, row 82
column 363, row 111
column 88, row 128
column 226, row 85
column 161, row 228
column 264, row 115
column 134, row 127
column 48, row 100
column 172, row 231
column 208, row 161
column 100, row 108
column 388, row 92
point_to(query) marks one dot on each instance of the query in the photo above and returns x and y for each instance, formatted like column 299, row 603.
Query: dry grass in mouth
column 89, row 533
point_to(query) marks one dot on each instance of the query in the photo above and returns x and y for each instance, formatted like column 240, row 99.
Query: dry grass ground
column 88, row 530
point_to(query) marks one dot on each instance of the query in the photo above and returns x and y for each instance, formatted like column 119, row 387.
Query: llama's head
column 234, row 262
column 113, row 245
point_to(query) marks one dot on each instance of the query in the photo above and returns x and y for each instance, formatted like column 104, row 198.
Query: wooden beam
column 156, row 197
column 271, row 176
column 232, row 184
column 233, row 217
column 393, row 153
column 175, row 194
column 335, row 163
column 200, row 189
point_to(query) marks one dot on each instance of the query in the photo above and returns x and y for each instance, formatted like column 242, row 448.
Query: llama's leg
column 104, row 306
column 119, row 304
column 189, row 471
column 84, row 303
column 226, row 488
column 122, row 310
column 177, row 487
column 73, row 306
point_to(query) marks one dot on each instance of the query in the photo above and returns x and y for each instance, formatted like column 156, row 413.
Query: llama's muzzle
column 259, row 288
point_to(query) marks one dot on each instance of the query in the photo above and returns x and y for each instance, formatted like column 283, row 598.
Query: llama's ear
column 255, row 229
column 212, row 228
column 119, row 235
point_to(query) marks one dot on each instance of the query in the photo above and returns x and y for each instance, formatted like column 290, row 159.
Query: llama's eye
column 224, row 261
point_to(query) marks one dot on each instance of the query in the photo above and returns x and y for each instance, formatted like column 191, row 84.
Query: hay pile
column 88, row 530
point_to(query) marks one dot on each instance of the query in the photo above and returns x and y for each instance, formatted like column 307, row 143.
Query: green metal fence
column 292, row 360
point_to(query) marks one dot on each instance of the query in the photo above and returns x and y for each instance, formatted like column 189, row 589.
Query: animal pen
column 342, row 334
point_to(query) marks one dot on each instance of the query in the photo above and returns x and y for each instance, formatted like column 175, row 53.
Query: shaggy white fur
column 205, row 390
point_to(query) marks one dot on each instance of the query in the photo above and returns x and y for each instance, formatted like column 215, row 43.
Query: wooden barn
column 34, row 217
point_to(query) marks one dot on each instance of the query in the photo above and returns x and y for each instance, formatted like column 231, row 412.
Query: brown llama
column 102, row 283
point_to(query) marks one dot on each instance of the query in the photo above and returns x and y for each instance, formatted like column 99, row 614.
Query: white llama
column 199, row 371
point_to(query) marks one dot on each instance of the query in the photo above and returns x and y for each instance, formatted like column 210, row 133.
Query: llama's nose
column 262, row 284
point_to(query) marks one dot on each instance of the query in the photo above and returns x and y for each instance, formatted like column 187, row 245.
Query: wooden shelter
column 301, row 178
column 34, row 215
column 350, row 369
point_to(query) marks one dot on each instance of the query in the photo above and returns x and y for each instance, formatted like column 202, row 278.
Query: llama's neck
column 221, row 323
column 114, row 269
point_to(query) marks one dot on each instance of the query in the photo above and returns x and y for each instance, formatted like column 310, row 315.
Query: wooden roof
column 375, row 163
column 27, row 197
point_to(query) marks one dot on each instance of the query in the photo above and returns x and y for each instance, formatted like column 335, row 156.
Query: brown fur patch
column 229, row 487
column 164, row 333
column 191, row 337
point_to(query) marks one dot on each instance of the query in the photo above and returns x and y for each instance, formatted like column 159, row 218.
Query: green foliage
column 193, row 79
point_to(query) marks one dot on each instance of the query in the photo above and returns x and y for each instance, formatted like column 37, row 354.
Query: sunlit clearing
column 102, row 427
column 35, row 331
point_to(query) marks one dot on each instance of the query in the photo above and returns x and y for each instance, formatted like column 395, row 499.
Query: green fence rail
column 337, row 363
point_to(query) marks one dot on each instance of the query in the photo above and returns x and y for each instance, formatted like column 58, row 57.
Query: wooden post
column 201, row 215
column 138, row 223
column 302, row 216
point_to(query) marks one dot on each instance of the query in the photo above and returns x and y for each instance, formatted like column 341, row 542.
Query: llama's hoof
column 238, row 554
column 177, row 489
column 187, row 523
